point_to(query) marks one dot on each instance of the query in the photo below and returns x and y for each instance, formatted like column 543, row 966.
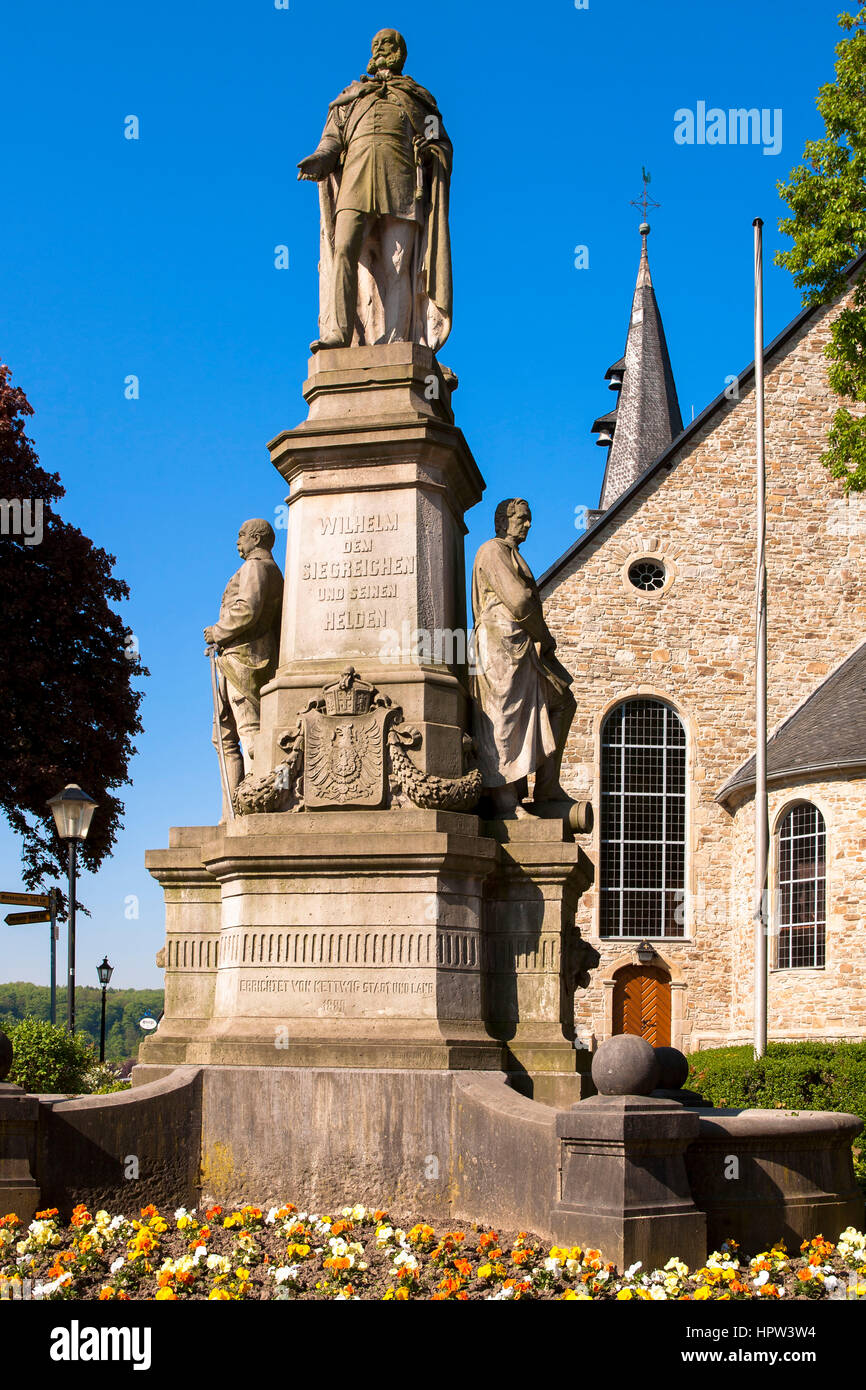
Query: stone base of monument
column 368, row 939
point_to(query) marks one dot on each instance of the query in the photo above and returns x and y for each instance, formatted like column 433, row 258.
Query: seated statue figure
column 523, row 706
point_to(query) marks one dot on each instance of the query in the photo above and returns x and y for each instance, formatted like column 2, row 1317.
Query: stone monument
column 353, row 924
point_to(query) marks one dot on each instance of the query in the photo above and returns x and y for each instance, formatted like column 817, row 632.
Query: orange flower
column 149, row 1211
column 80, row 1216
column 9, row 1220
column 340, row 1226
column 519, row 1257
column 106, row 1293
column 164, row 1278
column 212, row 1213
column 377, row 1214
column 463, row 1267
column 41, row 1215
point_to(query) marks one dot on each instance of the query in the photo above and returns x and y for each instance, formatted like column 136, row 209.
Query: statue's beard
column 385, row 67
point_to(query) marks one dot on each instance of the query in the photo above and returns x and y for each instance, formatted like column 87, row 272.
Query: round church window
column 647, row 575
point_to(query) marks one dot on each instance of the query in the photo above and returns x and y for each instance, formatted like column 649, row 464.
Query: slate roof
column 826, row 733
column 667, row 459
column 647, row 413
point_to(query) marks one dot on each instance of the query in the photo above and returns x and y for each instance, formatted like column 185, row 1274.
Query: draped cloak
column 514, row 682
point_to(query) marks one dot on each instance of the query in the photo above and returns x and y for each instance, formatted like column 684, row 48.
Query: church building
column 653, row 612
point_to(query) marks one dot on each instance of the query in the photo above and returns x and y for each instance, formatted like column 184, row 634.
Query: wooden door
column 642, row 1003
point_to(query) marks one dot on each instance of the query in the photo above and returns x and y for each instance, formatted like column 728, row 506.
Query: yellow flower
column 485, row 1271
column 623, row 1295
column 703, row 1293
column 166, row 1293
column 220, row 1295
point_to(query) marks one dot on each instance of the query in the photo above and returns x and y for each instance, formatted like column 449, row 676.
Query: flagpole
column 762, row 837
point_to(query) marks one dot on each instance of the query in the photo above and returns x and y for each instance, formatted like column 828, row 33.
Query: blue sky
column 155, row 258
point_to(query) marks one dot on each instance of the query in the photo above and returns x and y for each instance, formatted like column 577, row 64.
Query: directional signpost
column 47, row 902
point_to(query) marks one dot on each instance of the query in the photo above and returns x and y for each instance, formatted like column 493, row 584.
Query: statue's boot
column 547, row 784
column 333, row 341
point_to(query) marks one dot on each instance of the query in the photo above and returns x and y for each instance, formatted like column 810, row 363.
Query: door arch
column 642, row 1003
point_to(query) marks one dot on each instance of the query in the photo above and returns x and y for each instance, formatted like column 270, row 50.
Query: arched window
column 802, row 895
column 643, row 820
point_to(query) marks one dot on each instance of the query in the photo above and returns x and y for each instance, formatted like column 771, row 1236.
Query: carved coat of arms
column 344, row 747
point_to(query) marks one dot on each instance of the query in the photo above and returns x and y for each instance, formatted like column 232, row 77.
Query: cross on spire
column 644, row 201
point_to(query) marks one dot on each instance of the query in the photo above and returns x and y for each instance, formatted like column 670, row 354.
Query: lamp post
column 73, row 811
column 105, row 972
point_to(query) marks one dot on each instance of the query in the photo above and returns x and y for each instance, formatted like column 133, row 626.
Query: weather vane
column 644, row 201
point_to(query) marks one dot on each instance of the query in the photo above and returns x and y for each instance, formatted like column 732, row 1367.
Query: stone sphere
column 5, row 1056
column 673, row 1068
column 625, row 1066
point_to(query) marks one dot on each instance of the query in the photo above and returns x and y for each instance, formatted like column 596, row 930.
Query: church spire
column 647, row 415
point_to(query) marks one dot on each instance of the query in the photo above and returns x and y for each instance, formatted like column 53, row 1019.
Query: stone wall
column 691, row 644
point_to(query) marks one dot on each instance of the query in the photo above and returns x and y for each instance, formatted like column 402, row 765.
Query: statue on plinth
column 247, row 643
column 523, row 705
column 383, row 166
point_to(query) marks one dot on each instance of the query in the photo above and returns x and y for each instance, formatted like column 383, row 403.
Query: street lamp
column 105, row 972
column 73, row 811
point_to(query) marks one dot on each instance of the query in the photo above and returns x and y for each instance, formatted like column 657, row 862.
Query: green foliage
column 827, row 196
column 46, row 1058
column 123, row 1009
column 791, row 1076
column 67, row 671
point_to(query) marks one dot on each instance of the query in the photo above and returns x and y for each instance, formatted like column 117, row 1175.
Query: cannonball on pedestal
column 673, row 1068
column 625, row 1066
column 5, row 1056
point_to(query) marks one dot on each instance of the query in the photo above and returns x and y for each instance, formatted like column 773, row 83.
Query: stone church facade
column 653, row 612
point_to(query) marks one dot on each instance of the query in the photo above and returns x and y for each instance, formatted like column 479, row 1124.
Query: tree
column 66, row 667
column 827, row 196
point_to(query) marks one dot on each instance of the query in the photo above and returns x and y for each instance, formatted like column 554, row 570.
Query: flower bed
column 362, row 1254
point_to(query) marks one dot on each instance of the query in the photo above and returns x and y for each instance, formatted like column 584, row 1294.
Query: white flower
column 116, row 1264
column 358, row 1213
column 46, row 1290
column 181, row 1211
column 286, row 1273
column 552, row 1264
column 383, row 1235
column 762, row 1278
column 830, row 1281
column 271, row 1216
column 657, row 1293
column 200, row 1253
column 500, row 1295
column 221, row 1263
column 633, row 1269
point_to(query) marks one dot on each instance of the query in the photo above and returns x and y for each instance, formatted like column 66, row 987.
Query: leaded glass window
column 802, row 895
column 643, row 820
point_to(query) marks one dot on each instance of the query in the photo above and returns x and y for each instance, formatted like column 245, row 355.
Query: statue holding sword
column 243, row 647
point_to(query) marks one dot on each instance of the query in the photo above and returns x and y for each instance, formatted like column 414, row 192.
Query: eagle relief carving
column 344, row 746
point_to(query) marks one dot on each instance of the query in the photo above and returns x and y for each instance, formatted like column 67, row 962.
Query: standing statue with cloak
column 383, row 166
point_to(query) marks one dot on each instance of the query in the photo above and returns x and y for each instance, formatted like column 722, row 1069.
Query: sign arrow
column 27, row 899
column 20, row 919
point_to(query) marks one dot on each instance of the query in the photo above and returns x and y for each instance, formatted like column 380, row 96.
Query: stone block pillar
column 534, row 956
column 624, row 1188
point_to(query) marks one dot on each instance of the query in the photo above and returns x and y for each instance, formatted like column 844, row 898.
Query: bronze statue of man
column 247, row 639
column 383, row 166
column 523, row 704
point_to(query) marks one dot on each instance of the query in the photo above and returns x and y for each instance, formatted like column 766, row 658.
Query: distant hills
column 123, row 1009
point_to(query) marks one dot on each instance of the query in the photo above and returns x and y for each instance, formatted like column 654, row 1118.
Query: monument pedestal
column 380, row 478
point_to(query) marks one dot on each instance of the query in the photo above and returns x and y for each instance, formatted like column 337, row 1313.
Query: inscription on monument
column 368, row 548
